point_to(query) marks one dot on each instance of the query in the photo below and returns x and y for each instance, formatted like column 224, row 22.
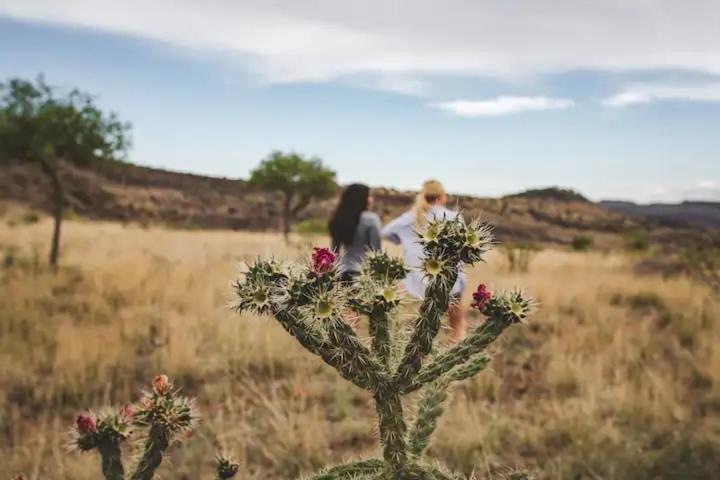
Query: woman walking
column 429, row 205
column 354, row 229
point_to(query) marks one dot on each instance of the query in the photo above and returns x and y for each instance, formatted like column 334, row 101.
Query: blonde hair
column 431, row 192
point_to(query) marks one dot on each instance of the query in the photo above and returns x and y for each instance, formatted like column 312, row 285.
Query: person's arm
column 390, row 231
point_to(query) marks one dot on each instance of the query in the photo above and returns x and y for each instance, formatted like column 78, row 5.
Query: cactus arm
column 111, row 458
column 354, row 357
column 470, row 368
column 351, row 470
column 342, row 351
column 380, row 331
column 430, row 409
column 427, row 326
column 476, row 342
column 156, row 443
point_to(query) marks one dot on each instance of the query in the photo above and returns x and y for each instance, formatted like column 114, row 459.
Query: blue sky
column 611, row 100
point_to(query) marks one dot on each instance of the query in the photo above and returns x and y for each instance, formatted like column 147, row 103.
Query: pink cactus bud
column 323, row 259
column 161, row 384
column 480, row 297
column 127, row 411
column 85, row 424
column 146, row 403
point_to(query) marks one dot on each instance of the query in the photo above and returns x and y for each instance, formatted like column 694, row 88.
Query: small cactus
column 310, row 302
column 154, row 422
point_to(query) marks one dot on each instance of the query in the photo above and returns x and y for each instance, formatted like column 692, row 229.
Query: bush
column 311, row 226
column 637, row 241
column 580, row 243
column 519, row 256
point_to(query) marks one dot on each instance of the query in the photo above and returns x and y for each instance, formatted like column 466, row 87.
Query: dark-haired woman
column 354, row 229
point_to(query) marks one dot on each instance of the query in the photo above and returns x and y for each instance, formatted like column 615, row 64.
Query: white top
column 403, row 231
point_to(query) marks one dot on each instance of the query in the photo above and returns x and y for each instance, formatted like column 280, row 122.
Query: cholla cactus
column 154, row 422
column 310, row 303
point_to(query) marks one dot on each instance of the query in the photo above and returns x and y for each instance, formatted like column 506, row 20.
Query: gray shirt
column 367, row 237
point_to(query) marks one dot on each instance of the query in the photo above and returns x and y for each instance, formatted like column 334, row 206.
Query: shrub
column 519, row 256
column 312, row 226
column 637, row 240
column 580, row 243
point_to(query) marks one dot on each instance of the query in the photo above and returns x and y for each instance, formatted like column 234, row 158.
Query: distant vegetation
column 298, row 179
column 580, row 243
column 45, row 126
column 551, row 193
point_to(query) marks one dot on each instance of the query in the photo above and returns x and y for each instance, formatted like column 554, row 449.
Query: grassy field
column 616, row 377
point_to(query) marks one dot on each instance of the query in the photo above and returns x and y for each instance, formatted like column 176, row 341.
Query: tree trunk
column 58, row 206
column 287, row 217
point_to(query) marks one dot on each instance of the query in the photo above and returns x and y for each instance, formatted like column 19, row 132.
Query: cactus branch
column 474, row 343
column 431, row 407
column 427, row 326
column 355, row 358
column 156, row 443
column 110, row 455
column 379, row 326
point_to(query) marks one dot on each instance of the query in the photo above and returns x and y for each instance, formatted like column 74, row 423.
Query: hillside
column 685, row 214
column 130, row 193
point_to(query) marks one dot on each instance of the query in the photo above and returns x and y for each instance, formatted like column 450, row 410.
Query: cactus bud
column 480, row 297
column 127, row 411
column 323, row 260
column 85, row 424
column 161, row 384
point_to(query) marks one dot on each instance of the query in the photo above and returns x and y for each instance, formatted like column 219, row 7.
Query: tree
column 300, row 180
column 39, row 125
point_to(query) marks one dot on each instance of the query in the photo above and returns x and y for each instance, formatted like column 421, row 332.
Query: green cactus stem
column 156, row 443
column 429, row 410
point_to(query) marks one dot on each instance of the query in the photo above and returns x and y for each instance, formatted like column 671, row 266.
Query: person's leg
column 456, row 314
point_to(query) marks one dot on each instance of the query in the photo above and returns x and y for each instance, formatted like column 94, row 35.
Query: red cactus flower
column 127, row 411
column 161, row 384
column 480, row 297
column 323, row 259
column 85, row 424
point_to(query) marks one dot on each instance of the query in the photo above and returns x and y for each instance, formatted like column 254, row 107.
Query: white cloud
column 502, row 105
column 646, row 93
column 325, row 40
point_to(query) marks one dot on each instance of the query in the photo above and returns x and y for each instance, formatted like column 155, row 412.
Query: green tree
column 38, row 124
column 300, row 180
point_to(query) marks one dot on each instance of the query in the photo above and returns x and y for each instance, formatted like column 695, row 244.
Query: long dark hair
column 344, row 222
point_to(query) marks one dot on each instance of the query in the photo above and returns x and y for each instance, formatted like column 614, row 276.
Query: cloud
column 502, row 105
column 639, row 94
column 397, row 42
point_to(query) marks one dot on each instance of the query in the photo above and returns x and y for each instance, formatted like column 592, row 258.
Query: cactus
column 310, row 302
column 155, row 422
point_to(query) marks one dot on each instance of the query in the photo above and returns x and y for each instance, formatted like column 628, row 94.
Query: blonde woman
column 429, row 204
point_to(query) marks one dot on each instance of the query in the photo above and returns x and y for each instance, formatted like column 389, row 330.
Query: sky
column 618, row 99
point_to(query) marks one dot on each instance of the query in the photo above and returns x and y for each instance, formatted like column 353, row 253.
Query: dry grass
column 617, row 376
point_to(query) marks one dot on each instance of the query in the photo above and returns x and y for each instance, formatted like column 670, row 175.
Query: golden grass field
column 616, row 377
